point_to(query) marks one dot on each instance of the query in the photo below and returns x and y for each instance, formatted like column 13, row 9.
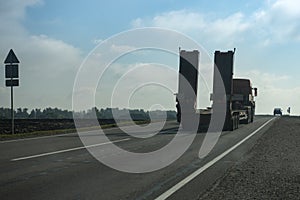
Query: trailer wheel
column 252, row 115
column 231, row 124
column 234, row 123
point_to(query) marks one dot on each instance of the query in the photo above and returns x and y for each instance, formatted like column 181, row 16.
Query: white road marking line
column 67, row 150
column 186, row 180
column 35, row 138
column 47, row 136
column 52, row 136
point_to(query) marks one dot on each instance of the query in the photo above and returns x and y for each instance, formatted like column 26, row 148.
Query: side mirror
column 255, row 92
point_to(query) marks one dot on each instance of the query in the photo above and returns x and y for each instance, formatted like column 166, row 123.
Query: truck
column 236, row 94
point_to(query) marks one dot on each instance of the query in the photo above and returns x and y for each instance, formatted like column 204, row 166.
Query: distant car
column 277, row 111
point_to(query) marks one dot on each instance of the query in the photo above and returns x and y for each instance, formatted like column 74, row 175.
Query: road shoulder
column 271, row 170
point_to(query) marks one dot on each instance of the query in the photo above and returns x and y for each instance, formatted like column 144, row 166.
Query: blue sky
column 53, row 37
column 80, row 22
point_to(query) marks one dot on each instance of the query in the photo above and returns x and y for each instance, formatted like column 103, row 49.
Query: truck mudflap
column 235, row 120
column 232, row 121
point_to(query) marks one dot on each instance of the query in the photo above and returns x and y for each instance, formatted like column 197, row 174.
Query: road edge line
column 67, row 150
column 186, row 180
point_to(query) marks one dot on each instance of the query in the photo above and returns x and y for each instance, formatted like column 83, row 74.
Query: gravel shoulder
column 271, row 169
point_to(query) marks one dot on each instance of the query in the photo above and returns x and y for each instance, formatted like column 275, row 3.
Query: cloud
column 48, row 65
column 278, row 22
column 171, row 19
column 290, row 8
column 265, row 79
column 275, row 23
column 16, row 9
column 121, row 48
column 271, row 91
column 139, row 85
column 229, row 27
column 218, row 30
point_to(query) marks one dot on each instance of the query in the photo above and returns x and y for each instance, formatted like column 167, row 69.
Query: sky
column 53, row 38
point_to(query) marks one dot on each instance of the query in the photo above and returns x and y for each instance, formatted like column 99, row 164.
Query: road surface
column 271, row 170
column 59, row 167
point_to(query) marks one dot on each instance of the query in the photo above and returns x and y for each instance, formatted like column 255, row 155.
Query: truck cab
column 243, row 99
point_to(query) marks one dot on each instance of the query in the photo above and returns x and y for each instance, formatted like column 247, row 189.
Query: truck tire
column 252, row 115
column 234, row 123
column 230, row 125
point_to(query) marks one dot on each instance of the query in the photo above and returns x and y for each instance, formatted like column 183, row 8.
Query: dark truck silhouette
column 237, row 94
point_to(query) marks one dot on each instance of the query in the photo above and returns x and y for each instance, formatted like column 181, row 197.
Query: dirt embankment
column 271, row 170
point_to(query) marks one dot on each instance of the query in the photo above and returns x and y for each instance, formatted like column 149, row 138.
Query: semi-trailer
column 234, row 95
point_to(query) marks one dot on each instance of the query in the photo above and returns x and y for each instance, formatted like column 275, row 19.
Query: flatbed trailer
column 236, row 94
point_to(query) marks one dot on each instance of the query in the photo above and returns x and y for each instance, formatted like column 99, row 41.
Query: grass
column 63, row 131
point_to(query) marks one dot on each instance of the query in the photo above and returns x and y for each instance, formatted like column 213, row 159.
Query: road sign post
column 12, row 75
column 12, row 108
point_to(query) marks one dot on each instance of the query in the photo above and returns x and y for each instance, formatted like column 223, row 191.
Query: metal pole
column 12, row 104
column 12, row 111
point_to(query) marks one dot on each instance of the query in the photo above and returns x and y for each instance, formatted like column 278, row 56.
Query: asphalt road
column 271, row 170
column 59, row 167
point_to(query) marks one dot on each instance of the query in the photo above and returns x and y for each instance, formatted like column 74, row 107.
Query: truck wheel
column 231, row 124
column 234, row 123
column 252, row 114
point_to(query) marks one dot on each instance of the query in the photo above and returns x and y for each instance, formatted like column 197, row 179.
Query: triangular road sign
column 11, row 58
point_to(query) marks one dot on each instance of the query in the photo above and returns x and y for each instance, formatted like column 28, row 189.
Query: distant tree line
column 47, row 113
column 107, row 113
